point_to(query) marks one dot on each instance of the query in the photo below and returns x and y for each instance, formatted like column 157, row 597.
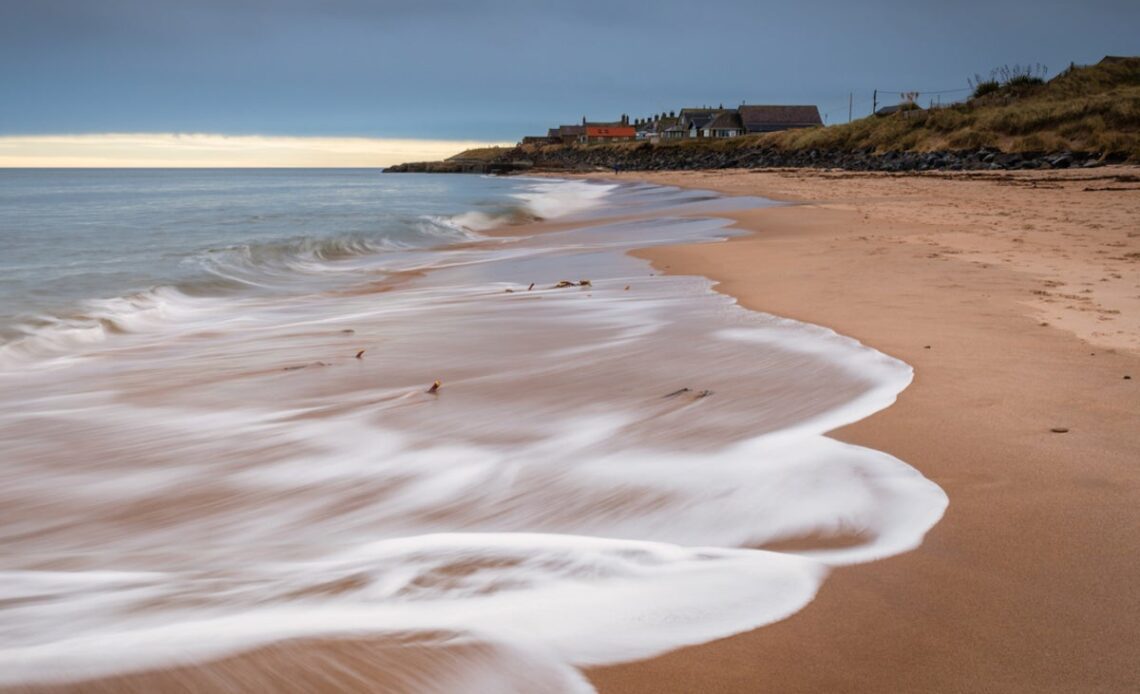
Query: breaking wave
column 300, row 264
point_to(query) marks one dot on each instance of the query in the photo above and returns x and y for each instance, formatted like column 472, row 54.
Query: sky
column 155, row 80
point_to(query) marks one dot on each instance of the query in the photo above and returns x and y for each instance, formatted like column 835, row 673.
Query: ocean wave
column 301, row 263
column 48, row 336
column 540, row 199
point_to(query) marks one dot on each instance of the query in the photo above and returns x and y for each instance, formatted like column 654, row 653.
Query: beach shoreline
column 978, row 282
column 1024, row 585
column 653, row 481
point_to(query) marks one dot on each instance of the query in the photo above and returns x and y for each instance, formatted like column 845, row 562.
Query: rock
column 1060, row 430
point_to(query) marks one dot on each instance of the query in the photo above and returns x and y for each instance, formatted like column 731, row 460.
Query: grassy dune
column 1090, row 109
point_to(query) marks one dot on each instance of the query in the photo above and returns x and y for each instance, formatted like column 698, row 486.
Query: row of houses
column 689, row 123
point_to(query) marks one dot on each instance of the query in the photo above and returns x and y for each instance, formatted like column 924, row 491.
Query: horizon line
column 175, row 150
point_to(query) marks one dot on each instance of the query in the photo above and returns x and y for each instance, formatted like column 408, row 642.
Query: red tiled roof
column 611, row 131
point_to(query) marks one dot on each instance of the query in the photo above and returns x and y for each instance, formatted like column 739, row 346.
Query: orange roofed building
column 608, row 132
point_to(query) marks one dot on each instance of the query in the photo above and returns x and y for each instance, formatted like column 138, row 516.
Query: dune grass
column 1087, row 109
column 1090, row 109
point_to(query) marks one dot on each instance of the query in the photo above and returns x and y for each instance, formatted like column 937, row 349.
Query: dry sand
column 1016, row 297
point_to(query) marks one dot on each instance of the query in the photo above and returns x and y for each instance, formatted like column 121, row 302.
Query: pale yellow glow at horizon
column 176, row 150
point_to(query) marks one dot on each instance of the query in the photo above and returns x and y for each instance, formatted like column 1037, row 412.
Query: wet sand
column 1028, row 582
column 337, row 511
column 1017, row 300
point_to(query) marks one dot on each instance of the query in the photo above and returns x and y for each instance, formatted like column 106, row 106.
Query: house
column 646, row 129
column 566, row 134
column 766, row 119
column 695, row 119
column 660, row 126
column 726, row 124
column 609, row 133
column 619, row 131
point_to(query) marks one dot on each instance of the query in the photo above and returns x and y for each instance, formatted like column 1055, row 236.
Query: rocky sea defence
column 649, row 157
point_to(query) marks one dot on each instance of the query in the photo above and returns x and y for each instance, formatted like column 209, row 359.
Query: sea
column 448, row 417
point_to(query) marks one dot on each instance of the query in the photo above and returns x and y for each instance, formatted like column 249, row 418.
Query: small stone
column 1127, row 377
column 926, row 347
column 1060, row 430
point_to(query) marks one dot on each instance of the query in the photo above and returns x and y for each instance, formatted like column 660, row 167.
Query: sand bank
column 1017, row 299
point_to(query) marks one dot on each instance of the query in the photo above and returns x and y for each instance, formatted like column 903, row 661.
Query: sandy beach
column 1016, row 297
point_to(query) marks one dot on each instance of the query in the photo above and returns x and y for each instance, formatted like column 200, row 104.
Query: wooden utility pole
column 850, row 103
column 875, row 102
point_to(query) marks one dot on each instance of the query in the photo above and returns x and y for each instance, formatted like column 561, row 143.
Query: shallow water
column 596, row 480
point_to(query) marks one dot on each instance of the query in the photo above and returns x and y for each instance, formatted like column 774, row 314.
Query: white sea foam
column 541, row 199
column 550, row 199
column 560, row 502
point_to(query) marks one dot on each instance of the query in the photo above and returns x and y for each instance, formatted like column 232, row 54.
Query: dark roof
column 699, row 117
column 729, row 120
column 554, row 132
column 906, row 106
column 565, row 130
column 767, row 118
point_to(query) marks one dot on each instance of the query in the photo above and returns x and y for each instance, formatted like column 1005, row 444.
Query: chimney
column 583, row 120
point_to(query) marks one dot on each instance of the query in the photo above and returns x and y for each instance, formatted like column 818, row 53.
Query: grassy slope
column 1087, row 109
column 480, row 154
column 1092, row 109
